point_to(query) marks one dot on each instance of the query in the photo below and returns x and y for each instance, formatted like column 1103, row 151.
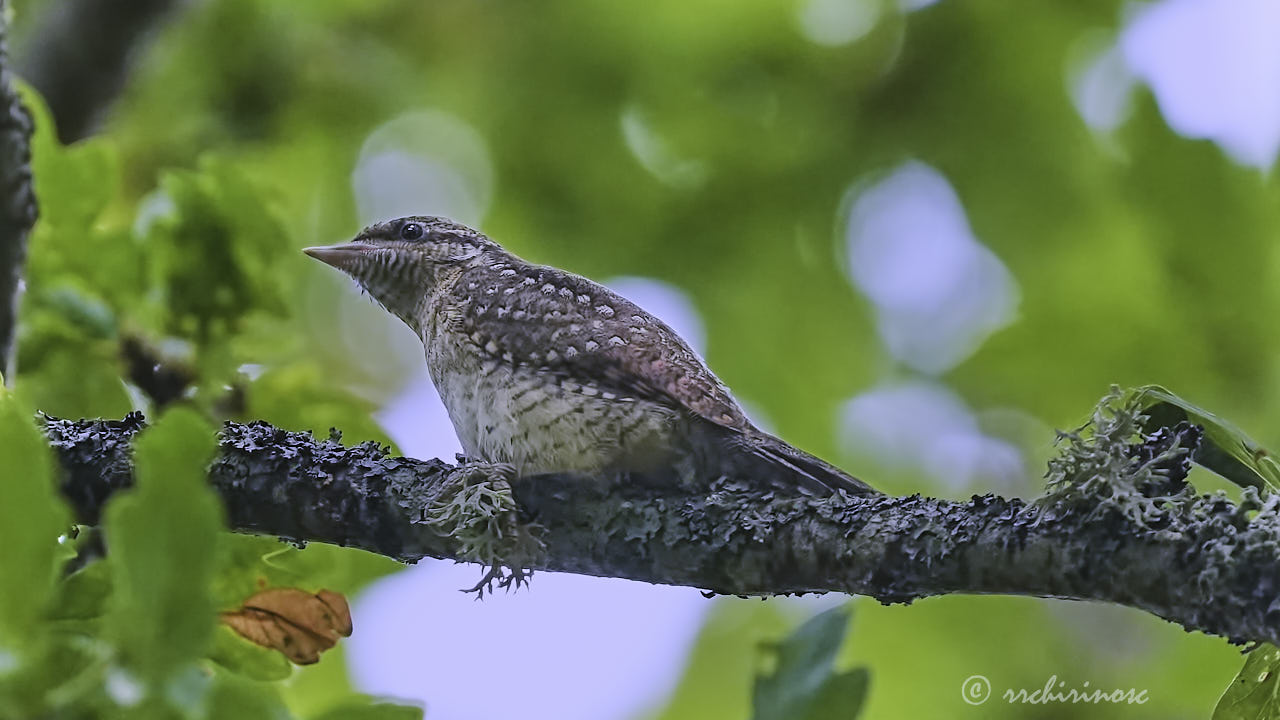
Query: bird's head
column 399, row 262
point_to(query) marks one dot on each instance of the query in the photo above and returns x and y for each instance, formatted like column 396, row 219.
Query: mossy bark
column 1202, row 561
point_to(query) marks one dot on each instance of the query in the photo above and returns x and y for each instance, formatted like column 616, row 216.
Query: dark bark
column 17, row 202
column 1201, row 561
column 78, row 55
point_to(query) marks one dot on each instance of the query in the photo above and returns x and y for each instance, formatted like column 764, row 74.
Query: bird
column 548, row 372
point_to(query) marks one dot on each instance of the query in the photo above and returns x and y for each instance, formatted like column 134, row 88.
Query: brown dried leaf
column 293, row 621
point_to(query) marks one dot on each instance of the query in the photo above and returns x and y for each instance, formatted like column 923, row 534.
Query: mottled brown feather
column 586, row 332
column 484, row 313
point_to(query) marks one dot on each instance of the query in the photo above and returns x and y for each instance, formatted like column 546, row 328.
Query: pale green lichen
column 1109, row 463
column 474, row 506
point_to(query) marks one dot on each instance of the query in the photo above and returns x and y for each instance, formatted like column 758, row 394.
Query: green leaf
column 1226, row 451
column 316, row 689
column 373, row 711
column 74, row 182
column 250, row 563
column 1255, row 693
column 804, row 684
column 843, row 696
column 74, row 379
column 321, row 565
column 719, row 671
column 247, row 659
column 163, row 537
column 84, row 594
column 247, row 564
column 301, row 396
column 215, row 254
column 31, row 518
column 233, row 698
column 82, row 310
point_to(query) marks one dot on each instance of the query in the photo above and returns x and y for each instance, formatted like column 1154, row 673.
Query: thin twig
column 18, row 208
column 78, row 55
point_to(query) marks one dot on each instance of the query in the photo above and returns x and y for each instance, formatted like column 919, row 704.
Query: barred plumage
column 551, row 372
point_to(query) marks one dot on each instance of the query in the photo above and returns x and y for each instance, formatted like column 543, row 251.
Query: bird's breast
column 544, row 422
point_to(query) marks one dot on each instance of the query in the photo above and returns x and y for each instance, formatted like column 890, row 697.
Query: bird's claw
column 479, row 512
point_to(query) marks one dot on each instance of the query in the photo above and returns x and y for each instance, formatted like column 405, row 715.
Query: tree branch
column 17, row 202
column 1200, row 561
column 78, row 55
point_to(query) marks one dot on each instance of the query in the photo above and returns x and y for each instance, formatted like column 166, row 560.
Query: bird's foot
column 476, row 508
column 503, row 576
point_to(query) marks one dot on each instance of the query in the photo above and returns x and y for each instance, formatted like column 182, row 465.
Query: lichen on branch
column 1118, row 523
column 474, row 505
column 1110, row 463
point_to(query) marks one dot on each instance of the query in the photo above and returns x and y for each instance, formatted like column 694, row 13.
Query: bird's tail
column 778, row 463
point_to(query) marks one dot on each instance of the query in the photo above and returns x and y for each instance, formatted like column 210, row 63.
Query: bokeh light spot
column 924, row 427
column 655, row 154
column 423, row 163
column 938, row 292
column 1100, row 83
column 1215, row 70
column 837, row 22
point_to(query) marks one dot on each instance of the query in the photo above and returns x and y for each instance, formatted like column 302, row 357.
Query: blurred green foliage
column 134, row 635
column 706, row 144
column 803, row 683
column 162, row 538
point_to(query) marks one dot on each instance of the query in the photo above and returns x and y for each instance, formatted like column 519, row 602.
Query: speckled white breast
column 538, row 423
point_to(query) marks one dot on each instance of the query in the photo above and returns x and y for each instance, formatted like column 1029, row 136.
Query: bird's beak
column 339, row 256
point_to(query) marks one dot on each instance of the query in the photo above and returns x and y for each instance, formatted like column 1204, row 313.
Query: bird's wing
column 549, row 319
column 566, row 324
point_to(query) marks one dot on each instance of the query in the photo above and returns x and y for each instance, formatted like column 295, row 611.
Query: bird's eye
column 411, row 231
